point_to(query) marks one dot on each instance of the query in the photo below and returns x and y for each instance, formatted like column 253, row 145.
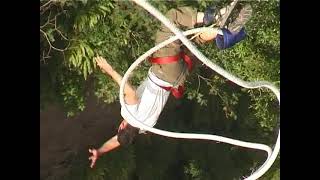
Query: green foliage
column 106, row 89
column 114, row 30
column 81, row 57
column 193, row 171
column 256, row 58
column 61, row 85
column 154, row 157
column 72, row 92
column 73, row 32
column 118, row 165
column 274, row 172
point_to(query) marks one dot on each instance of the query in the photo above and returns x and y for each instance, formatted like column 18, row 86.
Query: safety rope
column 251, row 85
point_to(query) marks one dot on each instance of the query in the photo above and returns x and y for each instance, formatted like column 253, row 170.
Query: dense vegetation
column 72, row 32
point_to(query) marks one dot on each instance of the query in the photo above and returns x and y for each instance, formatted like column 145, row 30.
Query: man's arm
column 109, row 145
column 129, row 91
column 106, row 147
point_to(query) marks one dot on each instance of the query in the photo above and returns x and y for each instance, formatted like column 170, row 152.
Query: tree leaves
column 192, row 169
column 121, row 32
column 50, row 35
column 117, row 31
column 81, row 58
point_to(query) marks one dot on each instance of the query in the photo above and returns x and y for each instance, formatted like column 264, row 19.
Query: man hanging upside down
column 170, row 66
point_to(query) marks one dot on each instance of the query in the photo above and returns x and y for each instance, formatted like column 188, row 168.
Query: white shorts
column 152, row 99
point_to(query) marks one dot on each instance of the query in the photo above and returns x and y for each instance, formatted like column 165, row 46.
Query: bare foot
column 209, row 35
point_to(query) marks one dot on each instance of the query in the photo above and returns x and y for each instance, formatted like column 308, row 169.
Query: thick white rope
column 271, row 155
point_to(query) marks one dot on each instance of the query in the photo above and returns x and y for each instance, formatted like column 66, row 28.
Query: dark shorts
column 127, row 135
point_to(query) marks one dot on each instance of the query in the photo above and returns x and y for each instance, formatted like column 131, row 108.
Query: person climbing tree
column 170, row 66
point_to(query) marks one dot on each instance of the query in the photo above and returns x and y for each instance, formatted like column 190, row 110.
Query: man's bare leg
column 213, row 32
column 129, row 92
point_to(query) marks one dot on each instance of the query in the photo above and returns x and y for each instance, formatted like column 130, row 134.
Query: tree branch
column 48, row 21
column 61, row 34
column 209, row 81
column 51, row 46
column 47, row 3
column 198, row 84
column 55, row 26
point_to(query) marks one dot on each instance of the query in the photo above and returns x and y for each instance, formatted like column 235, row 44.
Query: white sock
column 220, row 32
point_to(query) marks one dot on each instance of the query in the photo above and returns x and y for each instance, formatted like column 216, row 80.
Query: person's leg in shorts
column 176, row 72
column 184, row 18
column 187, row 18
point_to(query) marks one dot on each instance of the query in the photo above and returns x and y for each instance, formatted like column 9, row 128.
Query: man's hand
column 103, row 64
column 93, row 157
column 123, row 125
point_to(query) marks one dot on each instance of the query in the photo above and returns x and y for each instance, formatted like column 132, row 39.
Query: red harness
column 176, row 92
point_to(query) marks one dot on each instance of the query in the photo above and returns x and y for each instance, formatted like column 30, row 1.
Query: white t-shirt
column 152, row 100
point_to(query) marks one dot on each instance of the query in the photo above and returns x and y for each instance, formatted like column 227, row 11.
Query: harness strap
column 171, row 59
column 176, row 92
